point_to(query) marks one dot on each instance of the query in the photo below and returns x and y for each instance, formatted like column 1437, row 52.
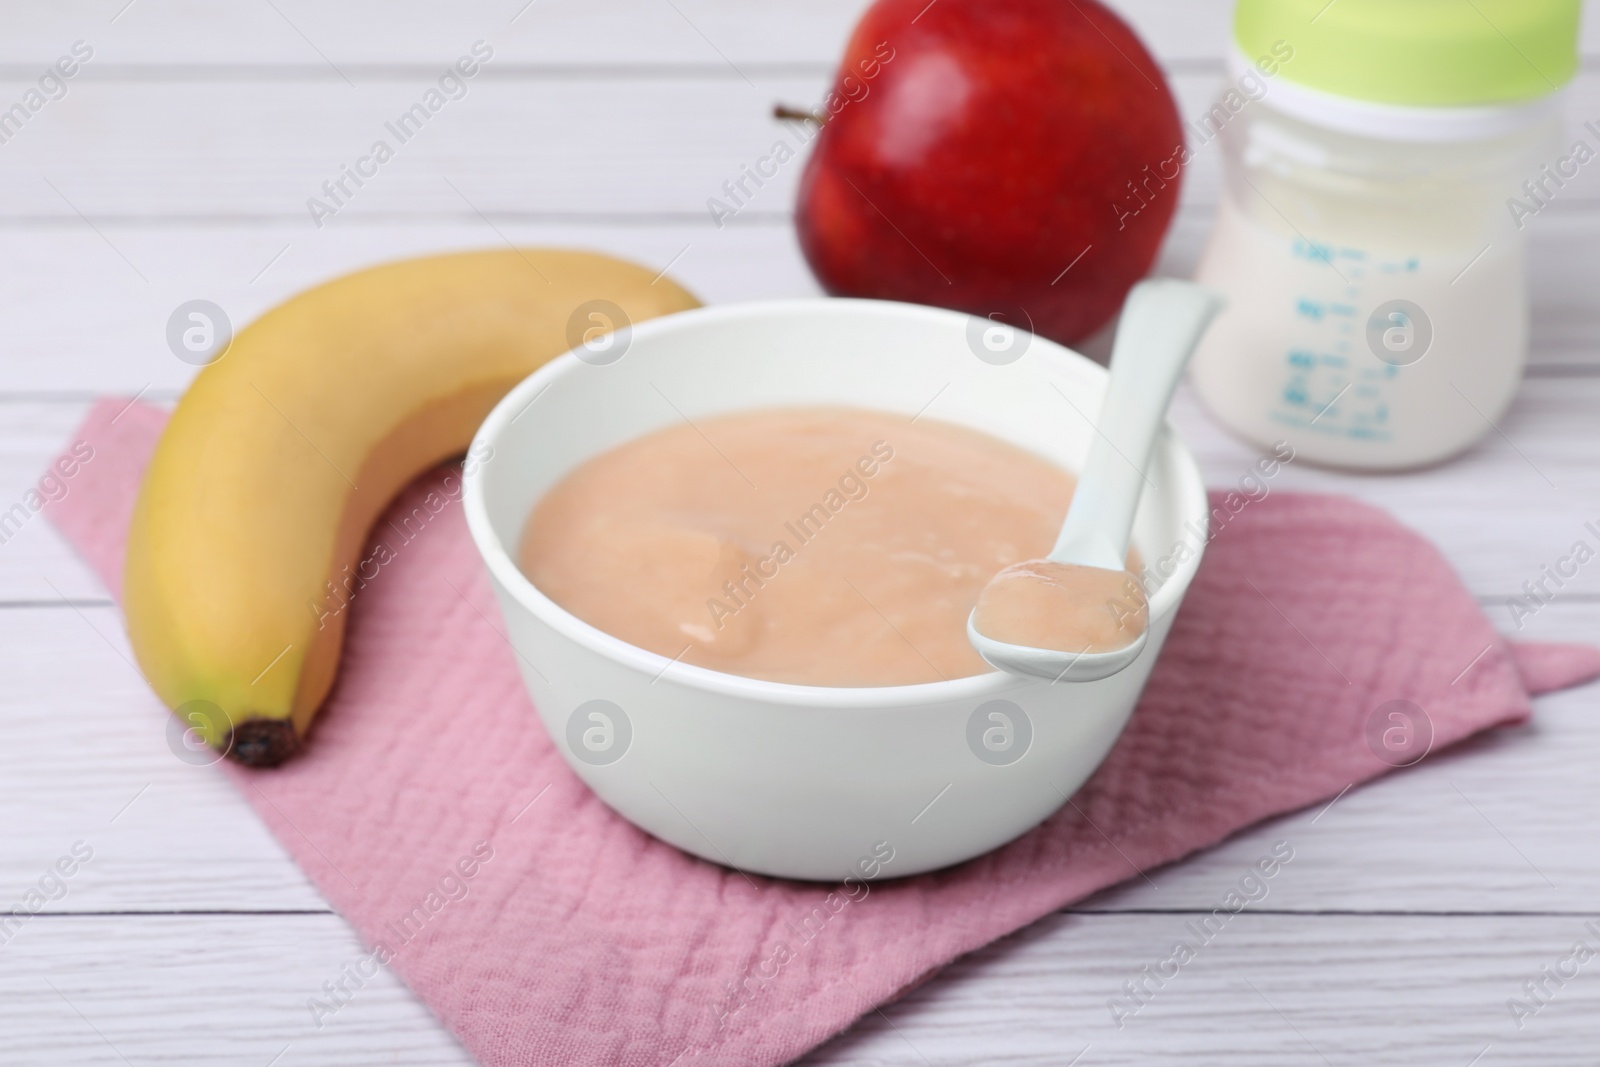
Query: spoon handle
column 1162, row 321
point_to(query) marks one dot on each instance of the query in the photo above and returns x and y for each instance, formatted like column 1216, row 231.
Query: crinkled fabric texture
column 585, row 941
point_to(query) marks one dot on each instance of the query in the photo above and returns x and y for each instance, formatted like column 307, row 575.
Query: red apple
column 1015, row 158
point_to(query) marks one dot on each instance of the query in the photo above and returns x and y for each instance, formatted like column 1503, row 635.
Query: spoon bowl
column 1053, row 666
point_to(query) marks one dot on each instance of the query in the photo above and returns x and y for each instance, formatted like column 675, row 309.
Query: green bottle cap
column 1418, row 53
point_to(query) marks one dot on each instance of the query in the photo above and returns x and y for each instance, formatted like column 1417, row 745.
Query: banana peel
column 281, row 455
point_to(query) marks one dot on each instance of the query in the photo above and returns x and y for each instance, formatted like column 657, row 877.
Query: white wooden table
column 178, row 166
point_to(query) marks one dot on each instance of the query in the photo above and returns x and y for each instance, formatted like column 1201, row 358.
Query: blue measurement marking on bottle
column 1329, row 386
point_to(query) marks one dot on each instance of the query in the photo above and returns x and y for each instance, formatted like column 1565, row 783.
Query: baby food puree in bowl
column 765, row 679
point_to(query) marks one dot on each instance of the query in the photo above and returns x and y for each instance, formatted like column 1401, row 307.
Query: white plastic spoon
column 1162, row 321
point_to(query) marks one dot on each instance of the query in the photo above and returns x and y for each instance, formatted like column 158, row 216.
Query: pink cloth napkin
column 578, row 939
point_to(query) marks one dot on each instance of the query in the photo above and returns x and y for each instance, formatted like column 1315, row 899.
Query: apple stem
column 784, row 111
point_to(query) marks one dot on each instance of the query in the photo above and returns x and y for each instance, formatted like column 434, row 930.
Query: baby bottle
column 1382, row 158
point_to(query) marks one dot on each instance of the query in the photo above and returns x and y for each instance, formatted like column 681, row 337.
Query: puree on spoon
column 819, row 546
column 1040, row 603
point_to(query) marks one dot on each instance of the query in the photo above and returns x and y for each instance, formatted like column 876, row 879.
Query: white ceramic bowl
column 808, row 781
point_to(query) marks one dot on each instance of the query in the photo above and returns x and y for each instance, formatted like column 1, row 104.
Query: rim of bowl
column 1191, row 503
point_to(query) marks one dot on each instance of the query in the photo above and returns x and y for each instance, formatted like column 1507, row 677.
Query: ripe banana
column 282, row 454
